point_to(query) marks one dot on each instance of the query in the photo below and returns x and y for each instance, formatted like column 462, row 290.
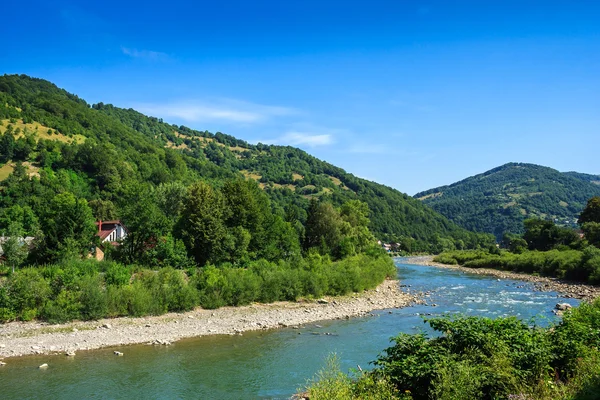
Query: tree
column 514, row 243
column 591, row 212
column 201, row 225
column 103, row 210
column 544, row 235
column 144, row 220
column 68, row 227
column 247, row 206
column 7, row 146
column 323, row 228
column 589, row 220
column 14, row 247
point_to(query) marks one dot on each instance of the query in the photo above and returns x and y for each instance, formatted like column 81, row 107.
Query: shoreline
column 569, row 289
column 38, row 338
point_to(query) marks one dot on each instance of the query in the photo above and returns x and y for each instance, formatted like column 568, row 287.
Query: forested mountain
column 499, row 200
column 52, row 142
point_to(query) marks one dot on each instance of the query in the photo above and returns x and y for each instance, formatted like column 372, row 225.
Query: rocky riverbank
column 25, row 338
column 568, row 289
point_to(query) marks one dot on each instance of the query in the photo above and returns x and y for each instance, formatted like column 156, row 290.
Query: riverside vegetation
column 544, row 249
column 480, row 358
column 504, row 358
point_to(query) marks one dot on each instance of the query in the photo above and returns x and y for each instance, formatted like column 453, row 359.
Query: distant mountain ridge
column 497, row 201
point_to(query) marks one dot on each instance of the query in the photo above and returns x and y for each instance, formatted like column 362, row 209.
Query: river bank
column 26, row 338
column 568, row 289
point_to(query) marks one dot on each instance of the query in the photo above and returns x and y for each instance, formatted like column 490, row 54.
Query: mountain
column 96, row 151
column 500, row 199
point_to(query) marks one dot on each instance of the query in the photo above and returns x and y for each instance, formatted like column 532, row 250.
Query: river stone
column 563, row 306
column 118, row 353
column 43, row 366
column 322, row 301
column 2, row 363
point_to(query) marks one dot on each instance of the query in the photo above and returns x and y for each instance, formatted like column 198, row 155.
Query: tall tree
column 14, row 246
column 201, row 223
column 589, row 221
column 591, row 212
column 68, row 227
column 323, row 228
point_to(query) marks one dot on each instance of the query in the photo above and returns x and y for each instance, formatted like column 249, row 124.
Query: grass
column 40, row 131
column 5, row 171
column 9, row 167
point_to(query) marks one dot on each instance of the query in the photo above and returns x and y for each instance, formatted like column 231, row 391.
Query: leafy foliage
column 499, row 200
column 480, row 358
column 125, row 164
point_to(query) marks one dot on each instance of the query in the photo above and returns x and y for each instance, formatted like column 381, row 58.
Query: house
column 112, row 232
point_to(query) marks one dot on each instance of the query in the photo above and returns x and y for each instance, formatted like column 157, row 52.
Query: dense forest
column 119, row 161
column 499, row 200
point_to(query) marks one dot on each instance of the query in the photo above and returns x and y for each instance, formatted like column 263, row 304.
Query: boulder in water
column 563, row 306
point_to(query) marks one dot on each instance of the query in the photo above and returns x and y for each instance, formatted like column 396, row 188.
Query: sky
column 411, row 94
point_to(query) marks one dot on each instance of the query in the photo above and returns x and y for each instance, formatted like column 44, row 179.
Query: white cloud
column 218, row 110
column 296, row 138
column 145, row 54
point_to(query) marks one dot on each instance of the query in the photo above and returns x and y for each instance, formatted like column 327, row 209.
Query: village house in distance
column 112, row 232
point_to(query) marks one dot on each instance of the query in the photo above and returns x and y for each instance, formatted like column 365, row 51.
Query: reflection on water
column 268, row 364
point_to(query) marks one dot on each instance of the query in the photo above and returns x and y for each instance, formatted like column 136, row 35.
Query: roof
column 107, row 227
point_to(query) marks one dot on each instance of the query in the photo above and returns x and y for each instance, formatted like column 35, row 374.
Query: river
column 269, row 364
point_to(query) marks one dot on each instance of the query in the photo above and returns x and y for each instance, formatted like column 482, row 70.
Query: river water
column 269, row 364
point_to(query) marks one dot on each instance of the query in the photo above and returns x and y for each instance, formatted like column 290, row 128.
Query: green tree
column 14, row 247
column 323, row 228
column 7, row 146
column 144, row 220
column 103, row 210
column 247, row 206
column 544, row 235
column 591, row 212
column 591, row 231
column 201, row 223
column 68, row 227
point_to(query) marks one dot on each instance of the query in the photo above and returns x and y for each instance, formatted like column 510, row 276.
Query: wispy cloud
column 216, row 110
column 145, row 54
column 310, row 139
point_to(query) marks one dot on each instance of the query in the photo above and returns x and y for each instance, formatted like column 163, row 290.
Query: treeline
column 498, row 201
column 86, row 289
column 480, row 358
column 544, row 249
column 120, row 149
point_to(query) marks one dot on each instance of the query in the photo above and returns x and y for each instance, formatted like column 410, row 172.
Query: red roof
column 105, row 228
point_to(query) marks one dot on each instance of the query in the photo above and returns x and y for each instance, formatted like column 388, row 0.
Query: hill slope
column 498, row 200
column 94, row 151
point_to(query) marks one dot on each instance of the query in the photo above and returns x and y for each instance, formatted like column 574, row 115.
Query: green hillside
column 99, row 152
column 499, row 200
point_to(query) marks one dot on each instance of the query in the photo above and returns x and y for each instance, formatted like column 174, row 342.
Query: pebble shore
column 27, row 338
column 567, row 289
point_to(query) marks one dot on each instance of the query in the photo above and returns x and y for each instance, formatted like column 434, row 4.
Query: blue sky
column 412, row 94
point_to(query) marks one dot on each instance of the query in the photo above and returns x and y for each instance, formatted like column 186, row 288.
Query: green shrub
column 94, row 304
